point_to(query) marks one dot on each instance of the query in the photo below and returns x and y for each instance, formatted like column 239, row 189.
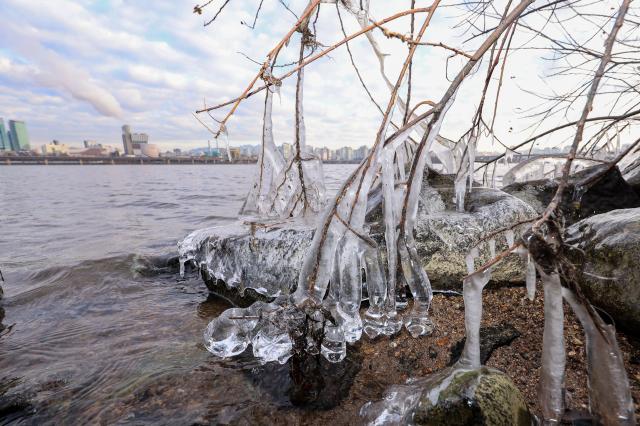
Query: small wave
column 130, row 266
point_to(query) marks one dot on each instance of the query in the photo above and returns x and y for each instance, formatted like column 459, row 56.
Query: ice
column 270, row 162
column 230, row 333
column 610, row 398
column 472, row 294
column 388, row 188
column 492, row 248
column 225, row 138
column 334, row 346
column 350, row 293
column 543, row 168
column 271, row 343
column 510, row 236
column 551, row 391
column 374, row 317
column 530, row 278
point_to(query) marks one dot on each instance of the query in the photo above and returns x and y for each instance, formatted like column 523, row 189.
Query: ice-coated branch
column 588, row 106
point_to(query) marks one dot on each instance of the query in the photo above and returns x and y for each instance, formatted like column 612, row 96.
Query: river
column 98, row 326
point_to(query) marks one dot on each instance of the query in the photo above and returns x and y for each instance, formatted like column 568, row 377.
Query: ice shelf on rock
column 544, row 168
column 265, row 258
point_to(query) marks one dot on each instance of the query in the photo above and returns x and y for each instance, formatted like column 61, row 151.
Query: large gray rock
column 609, row 192
column 610, row 244
column 266, row 260
column 453, row 396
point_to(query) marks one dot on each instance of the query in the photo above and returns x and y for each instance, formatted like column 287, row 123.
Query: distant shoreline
column 110, row 161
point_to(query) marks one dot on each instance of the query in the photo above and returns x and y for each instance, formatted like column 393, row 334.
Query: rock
column 244, row 263
column 610, row 192
column 631, row 174
column 491, row 338
column 444, row 237
column 611, row 264
column 453, row 396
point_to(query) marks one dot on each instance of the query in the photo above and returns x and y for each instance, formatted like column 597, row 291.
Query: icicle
column 531, row 278
column 509, row 235
column 471, row 154
column 225, row 139
column 551, row 392
column 334, row 346
column 348, row 306
column 609, row 395
column 417, row 321
column 460, row 187
column 374, row 321
column 388, row 190
column 472, row 295
column 492, row 248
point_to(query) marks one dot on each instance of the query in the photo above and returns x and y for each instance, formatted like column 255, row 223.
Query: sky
column 76, row 70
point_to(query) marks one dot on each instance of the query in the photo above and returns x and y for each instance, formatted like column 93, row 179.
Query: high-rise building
column 19, row 136
column 361, row 152
column 4, row 138
column 127, row 143
column 133, row 142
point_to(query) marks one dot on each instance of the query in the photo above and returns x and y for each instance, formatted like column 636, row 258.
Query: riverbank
column 372, row 366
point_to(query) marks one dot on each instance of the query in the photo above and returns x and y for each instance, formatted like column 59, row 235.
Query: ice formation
column 553, row 353
column 609, row 393
column 324, row 310
column 548, row 167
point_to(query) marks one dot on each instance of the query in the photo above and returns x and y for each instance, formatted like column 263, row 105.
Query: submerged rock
column 609, row 255
column 453, row 396
column 245, row 262
column 586, row 196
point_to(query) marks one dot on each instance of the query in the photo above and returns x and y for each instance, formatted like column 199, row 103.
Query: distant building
column 55, row 148
column 89, row 143
column 361, row 153
column 126, row 140
column 18, row 136
column 149, row 150
column 235, row 153
column 133, row 142
column 344, row 154
column 4, row 137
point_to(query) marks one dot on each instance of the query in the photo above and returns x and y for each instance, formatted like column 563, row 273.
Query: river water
column 97, row 325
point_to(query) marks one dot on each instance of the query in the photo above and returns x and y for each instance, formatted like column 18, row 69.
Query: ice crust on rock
column 548, row 167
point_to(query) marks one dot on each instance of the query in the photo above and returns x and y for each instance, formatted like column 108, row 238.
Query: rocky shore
column 247, row 263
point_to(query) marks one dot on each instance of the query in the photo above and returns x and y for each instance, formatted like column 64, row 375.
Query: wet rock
column 478, row 397
column 244, row 262
column 453, row 396
column 586, row 196
column 318, row 384
column 491, row 338
column 13, row 405
column 444, row 237
column 609, row 256
column 631, row 173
